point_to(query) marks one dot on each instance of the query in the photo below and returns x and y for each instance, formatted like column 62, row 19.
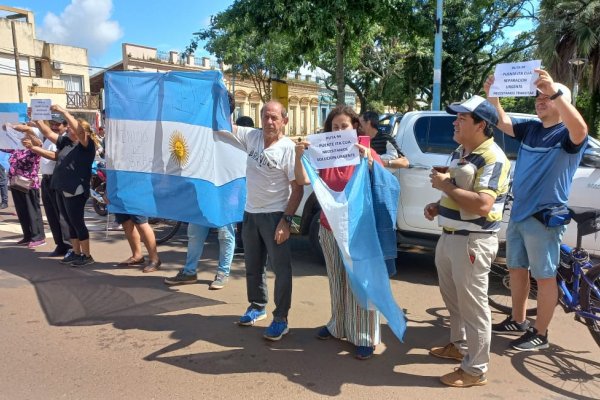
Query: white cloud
column 83, row 23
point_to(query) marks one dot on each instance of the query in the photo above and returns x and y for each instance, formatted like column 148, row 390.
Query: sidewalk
column 103, row 332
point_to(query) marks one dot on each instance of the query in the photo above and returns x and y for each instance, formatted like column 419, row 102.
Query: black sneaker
column 70, row 257
column 510, row 327
column 82, row 261
column 531, row 341
column 181, row 279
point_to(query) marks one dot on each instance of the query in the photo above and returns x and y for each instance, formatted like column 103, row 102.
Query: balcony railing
column 87, row 101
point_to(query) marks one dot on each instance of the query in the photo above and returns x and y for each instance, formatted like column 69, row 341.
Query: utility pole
column 17, row 64
column 437, row 58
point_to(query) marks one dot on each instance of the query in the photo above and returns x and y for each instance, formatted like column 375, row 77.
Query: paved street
column 103, row 332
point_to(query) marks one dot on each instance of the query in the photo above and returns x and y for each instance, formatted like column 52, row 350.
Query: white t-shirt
column 47, row 166
column 268, row 171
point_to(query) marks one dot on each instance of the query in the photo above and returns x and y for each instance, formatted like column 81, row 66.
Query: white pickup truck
column 425, row 137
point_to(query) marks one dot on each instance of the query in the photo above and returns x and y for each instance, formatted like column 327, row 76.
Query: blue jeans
column 197, row 235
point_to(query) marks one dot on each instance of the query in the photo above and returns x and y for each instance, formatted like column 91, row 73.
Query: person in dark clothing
column 382, row 143
column 56, row 221
column 71, row 179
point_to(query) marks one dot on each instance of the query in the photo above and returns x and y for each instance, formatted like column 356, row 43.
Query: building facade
column 308, row 99
column 46, row 70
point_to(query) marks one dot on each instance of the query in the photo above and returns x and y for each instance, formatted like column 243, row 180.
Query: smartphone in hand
column 365, row 141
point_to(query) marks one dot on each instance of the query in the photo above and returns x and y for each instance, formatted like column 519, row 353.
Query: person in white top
column 272, row 198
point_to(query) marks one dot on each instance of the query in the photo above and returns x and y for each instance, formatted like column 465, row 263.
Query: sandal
column 152, row 266
column 131, row 262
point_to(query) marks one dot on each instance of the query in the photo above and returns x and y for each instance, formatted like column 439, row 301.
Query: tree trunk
column 339, row 66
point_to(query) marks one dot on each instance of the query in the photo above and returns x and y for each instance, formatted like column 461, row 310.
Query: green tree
column 571, row 29
column 234, row 39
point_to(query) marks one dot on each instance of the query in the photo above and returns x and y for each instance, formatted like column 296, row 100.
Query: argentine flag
column 165, row 155
column 352, row 220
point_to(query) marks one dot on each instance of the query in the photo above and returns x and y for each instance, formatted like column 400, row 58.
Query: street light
column 577, row 64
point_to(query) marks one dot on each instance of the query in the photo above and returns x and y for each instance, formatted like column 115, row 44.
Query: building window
column 303, row 121
column 73, row 83
column 7, row 65
column 38, row 69
column 254, row 112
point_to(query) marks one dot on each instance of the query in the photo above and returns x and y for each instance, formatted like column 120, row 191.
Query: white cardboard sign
column 9, row 137
column 333, row 149
column 40, row 109
column 515, row 79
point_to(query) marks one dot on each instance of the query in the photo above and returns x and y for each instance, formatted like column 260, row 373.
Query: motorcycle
column 98, row 188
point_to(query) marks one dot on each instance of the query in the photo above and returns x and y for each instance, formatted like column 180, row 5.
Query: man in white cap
column 470, row 216
column 551, row 149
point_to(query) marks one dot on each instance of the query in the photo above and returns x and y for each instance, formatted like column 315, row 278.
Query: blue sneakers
column 276, row 330
column 252, row 315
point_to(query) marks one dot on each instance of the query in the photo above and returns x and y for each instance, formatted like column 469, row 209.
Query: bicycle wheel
column 499, row 291
column 164, row 229
column 590, row 300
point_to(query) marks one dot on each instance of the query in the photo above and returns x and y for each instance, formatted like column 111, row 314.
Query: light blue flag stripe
column 366, row 266
column 19, row 108
column 195, row 98
column 192, row 98
column 176, row 197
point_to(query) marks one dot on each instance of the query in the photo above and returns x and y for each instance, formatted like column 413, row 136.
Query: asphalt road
column 103, row 332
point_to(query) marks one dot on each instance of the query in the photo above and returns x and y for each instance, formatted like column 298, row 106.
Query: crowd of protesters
column 472, row 196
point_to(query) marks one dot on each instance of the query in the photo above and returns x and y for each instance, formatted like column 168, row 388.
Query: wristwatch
column 556, row 95
column 288, row 219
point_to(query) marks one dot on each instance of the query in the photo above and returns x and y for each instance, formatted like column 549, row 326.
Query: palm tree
column 571, row 29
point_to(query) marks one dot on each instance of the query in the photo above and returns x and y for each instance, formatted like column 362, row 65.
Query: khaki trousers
column 463, row 265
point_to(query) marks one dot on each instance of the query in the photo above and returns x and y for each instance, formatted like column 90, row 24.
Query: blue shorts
column 136, row 219
column 529, row 244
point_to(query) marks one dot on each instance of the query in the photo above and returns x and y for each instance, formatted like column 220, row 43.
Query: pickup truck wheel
column 313, row 236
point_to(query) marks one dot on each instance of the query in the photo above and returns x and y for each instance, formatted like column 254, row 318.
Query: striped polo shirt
column 491, row 177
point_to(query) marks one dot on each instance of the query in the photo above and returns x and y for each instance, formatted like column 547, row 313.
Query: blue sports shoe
column 276, row 330
column 252, row 315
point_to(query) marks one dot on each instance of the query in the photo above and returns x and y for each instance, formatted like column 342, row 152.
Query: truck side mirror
column 591, row 158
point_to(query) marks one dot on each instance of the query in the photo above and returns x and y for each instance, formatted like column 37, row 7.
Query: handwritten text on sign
column 333, row 149
column 515, row 79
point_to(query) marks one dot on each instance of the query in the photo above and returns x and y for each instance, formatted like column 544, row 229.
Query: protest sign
column 9, row 137
column 333, row 149
column 40, row 109
column 515, row 79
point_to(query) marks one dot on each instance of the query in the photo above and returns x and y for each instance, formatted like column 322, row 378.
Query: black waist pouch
column 553, row 217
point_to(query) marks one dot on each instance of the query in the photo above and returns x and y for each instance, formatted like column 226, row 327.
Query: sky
column 102, row 26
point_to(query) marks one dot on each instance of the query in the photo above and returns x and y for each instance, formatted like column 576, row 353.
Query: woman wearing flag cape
column 354, row 305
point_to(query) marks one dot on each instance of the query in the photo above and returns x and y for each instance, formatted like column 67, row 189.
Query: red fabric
column 337, row 178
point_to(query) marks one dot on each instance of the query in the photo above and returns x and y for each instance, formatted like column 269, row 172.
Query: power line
column 62, row 62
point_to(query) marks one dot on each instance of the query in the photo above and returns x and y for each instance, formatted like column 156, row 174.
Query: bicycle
column 164, row 229
column 578, row 279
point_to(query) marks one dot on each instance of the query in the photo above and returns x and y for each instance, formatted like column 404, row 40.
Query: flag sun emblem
column 179, row 149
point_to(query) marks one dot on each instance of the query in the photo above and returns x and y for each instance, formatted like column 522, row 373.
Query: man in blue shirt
column 550, row 152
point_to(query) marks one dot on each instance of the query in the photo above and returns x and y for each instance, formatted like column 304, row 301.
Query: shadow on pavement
column 323, row 367
column 564, row 372
column 81, row 297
